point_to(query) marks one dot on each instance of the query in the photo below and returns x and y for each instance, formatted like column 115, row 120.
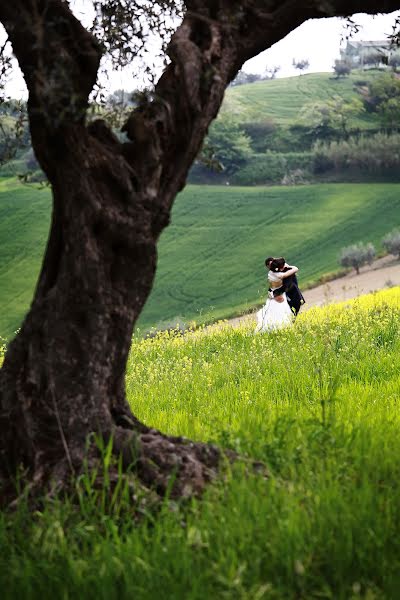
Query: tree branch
column 57, row 55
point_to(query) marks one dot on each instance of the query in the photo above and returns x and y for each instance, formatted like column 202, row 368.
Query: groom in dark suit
column 291, row 287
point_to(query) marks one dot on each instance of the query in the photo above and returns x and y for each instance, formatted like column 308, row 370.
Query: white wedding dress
column 274, row 315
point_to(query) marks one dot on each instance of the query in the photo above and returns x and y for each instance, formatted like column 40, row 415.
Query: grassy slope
column 282, row 99
column 24, row 222
column 211, row 257
column 317, row 403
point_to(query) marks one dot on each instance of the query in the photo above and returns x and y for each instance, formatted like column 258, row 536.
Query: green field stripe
column 213, row 252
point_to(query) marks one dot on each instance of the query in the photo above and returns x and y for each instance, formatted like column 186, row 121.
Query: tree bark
column 63, row 376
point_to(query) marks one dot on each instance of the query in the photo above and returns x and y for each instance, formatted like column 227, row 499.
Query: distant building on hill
column 364, row 54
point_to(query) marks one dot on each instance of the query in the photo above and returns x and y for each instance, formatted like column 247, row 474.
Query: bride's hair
column 277, row 264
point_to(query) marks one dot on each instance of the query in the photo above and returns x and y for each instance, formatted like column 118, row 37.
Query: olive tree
column 357, row 255
column 62, row 380
column 391, row 242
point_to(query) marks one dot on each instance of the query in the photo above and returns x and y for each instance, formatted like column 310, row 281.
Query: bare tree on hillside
column 301, row 65
column 271, row 72
column 63, row 375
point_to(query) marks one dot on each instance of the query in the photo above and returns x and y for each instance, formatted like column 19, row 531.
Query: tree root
column 164, row 464
column 170, row 463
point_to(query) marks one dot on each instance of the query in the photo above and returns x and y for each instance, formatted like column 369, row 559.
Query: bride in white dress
column 276, row 312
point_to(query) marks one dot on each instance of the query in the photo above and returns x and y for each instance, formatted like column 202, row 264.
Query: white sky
column 316, row 40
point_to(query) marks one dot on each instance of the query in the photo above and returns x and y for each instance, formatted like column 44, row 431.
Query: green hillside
column 24, row 222
column 281, row 99
column 211, row 257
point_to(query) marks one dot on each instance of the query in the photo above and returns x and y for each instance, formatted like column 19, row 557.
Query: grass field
column 24, row 223
column 211, row 257
column 317, row 403
column 282, row 99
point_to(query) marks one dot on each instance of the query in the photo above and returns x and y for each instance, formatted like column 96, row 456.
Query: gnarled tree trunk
column 63, row 377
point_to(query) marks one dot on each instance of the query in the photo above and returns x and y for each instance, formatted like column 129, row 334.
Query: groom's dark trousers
column 293, row 294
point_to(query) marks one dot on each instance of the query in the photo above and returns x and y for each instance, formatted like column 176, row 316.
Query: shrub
column 380, row 90
column 259, row 132
column 341, row 68
column 361, row 82
column 267, row 135
column 374, row 154
column 391, row 242
column 295, row 177
column 332, row 116
column 357, row 255
column 228, row 144
column 274, row 168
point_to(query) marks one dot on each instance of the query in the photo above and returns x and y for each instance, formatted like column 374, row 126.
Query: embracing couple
column 284, row 296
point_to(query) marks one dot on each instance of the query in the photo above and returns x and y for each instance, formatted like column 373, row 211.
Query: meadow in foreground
column 317, row 403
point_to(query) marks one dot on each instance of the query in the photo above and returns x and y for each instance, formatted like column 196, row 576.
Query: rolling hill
column 282, row 99
column 211, row 257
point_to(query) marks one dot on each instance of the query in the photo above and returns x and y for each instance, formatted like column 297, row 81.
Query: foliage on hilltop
column 299, row 115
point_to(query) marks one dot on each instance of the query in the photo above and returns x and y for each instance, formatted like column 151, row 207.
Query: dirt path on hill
column 384, row 272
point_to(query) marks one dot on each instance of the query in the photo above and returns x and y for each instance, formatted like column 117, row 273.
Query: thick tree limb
column 59, row 59
column 58, row 56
